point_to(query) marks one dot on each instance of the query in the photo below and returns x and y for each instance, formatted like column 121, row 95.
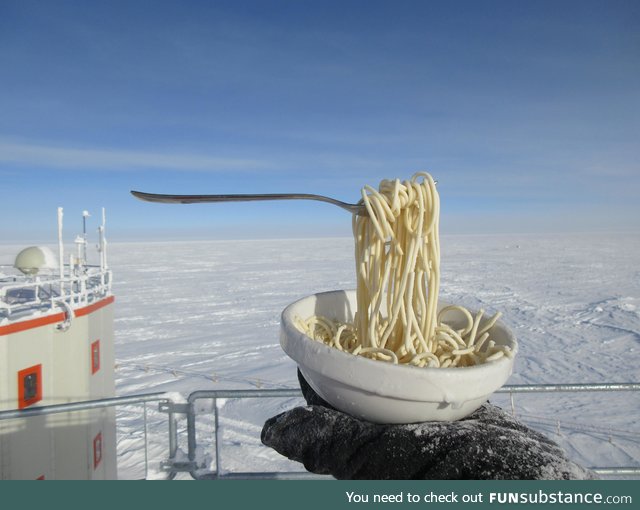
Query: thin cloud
column 47, row 156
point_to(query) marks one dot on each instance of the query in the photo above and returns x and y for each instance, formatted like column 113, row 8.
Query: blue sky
column 527, row 113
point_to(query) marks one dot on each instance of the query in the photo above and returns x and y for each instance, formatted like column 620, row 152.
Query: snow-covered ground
column 205, row 315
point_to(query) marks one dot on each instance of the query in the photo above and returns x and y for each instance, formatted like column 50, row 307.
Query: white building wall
column 60, row 446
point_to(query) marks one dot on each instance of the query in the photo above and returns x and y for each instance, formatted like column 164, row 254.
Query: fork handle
column 196, row 199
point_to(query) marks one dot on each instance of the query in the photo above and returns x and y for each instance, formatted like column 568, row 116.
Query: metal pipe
column 61, row 252
column 263, row 393
column 546, row 388
column 266, row 475
column 103, row 244
column 216, row 424
column 82, row 405
column 85, row 215
column 302, row 475
column 191, row 432
column 515, row 388
column 146, row 443
column 616, row 471
column 173, row 435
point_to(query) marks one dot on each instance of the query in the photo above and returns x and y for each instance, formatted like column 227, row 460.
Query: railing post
column 173, row 435
column 175, row 465
column 191, row 432
column 217, row 434
column 146, row 443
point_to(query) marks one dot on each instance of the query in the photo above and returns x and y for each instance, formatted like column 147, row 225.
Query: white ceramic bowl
column 382, row 392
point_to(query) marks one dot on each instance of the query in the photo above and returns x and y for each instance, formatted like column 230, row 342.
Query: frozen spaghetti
column 397, row 252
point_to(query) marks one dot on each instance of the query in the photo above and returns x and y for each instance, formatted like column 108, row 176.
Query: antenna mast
column 85, row 215
column 60, row 251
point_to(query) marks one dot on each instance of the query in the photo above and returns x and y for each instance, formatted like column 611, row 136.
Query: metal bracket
column 178, row 466
column 173, row 465
column 173, row 408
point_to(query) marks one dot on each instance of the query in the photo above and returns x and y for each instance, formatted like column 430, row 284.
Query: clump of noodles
column 397, row 252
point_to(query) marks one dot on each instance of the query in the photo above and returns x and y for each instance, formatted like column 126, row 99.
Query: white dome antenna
column 35, row 259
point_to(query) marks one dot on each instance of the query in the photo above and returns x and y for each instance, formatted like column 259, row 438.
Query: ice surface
column 205, row 315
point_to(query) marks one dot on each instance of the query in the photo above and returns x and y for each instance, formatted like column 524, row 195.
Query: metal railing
column 64, row 285
column 175, row 464
column 82, row 285
column 197, row 473
column 85, row 405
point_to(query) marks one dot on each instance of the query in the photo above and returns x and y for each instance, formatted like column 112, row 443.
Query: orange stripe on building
column 52, row 319
column 94, row 306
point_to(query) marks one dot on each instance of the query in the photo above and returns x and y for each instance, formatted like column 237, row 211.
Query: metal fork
column 359, row 209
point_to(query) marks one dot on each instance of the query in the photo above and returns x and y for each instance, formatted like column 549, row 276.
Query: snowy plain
column 197, row 315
